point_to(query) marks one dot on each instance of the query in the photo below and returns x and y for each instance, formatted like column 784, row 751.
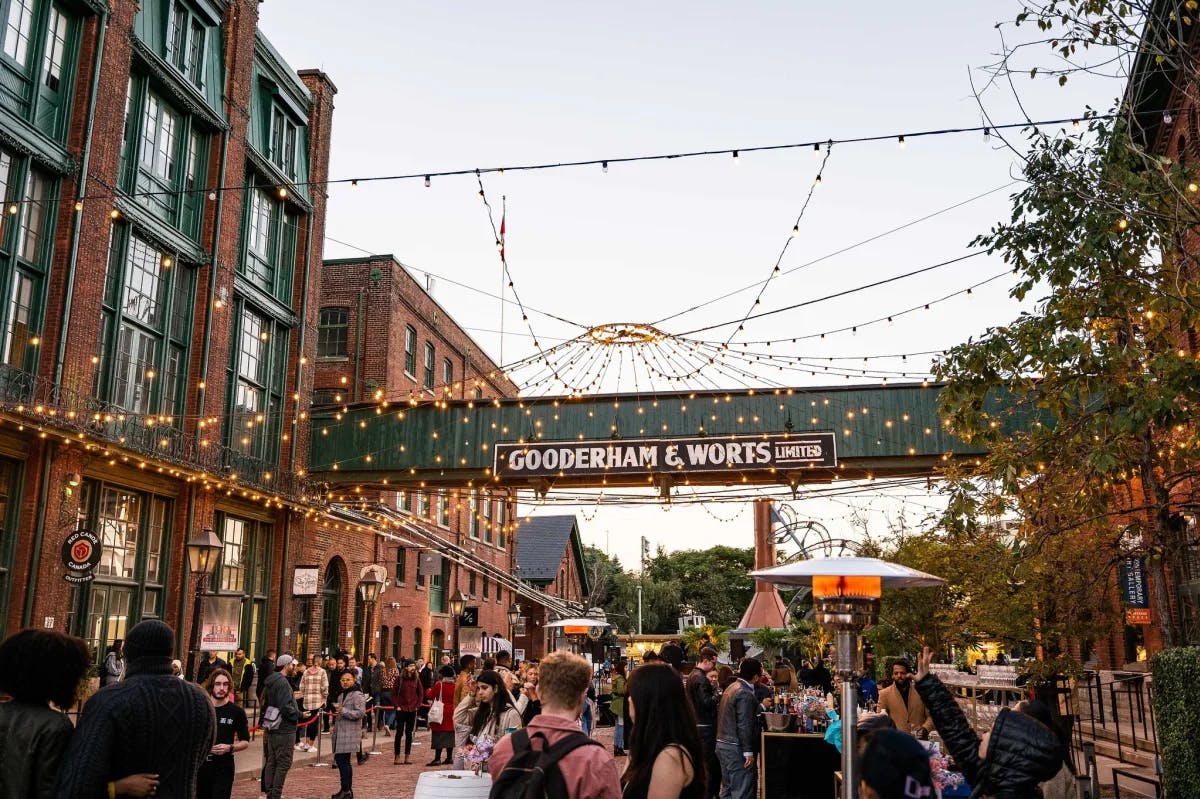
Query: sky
column 429, row 87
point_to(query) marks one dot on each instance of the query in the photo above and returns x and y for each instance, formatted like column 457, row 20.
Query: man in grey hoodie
column 280, row 714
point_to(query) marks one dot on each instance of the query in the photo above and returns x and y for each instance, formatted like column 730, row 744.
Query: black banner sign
column 663, row 455
column 469, row 617
column 1131, row 575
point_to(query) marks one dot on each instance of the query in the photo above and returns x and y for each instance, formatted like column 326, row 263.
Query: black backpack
column 533, row 773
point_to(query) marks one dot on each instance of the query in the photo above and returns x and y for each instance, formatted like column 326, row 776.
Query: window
column 444, row 500
column 281, row 149
column 428, row 366
column 473, row 510
column 259, row 372
column 332, row 334
column 186, row 34
column 425, row 505
column 397, row 642
column 478, row 392
column 500, row 526
column 55, row 53
column 485, row 587
column 470, row 583
column 410, row 350
column 10, row 471
column 270, row 250
column 487, row 519
column 18, row 30
column 165, row 160
column 24, row 249
column 401, row 575
column 134, row 530
column 447, row 374
column 147, row 328
column 417, row 644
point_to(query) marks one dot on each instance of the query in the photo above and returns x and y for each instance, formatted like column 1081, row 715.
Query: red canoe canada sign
column 81, row 554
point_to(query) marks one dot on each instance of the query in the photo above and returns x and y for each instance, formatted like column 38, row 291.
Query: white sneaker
column 301, row 748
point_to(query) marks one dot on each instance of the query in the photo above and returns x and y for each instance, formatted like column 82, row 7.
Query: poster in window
column 220, row 622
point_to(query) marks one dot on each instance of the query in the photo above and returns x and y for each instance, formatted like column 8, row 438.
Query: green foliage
column 1176, row 675
column 1086, row 399
column 715, row 634
column 809, row 638
column 771, row 641
column 715, row 582
column 616, row 591
column 1040, row 671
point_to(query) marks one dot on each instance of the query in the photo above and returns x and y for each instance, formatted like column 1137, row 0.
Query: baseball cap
column 896, row 766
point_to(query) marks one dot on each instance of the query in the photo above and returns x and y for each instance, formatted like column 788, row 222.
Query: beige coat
column 906, row 717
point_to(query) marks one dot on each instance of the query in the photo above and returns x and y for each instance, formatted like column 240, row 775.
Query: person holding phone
column 349, row 708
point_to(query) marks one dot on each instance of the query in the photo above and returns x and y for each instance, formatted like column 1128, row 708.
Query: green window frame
column 473, row 509
column 439, row 587
column 187, row 33
column 444, row 499
column 500, row 521
column 257, row 384
column 25, row 252
column 485, row 588
column 401, row 574
column 417, row 653
column 333, row 332
column 425, row 505
column 429, row 359
column 447, row 373
column 146, row 329
column 410, row 351
column 131, row 579
column 487, row 519
column 270, row 237
column 282, row 147
column 470, row 583
column 244, row 570
column 39, row 50
column 10, row 506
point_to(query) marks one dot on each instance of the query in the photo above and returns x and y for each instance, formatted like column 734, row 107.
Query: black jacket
column 1022, row 752
column 704, row 697
column 737, row 717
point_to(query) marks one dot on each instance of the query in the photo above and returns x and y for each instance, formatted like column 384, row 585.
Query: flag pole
column 503, row 270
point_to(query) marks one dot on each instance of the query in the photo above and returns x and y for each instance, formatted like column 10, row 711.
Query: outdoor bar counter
column 797, row 765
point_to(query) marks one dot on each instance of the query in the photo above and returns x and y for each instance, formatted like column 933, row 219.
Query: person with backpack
column 551, row 756
column 441, row 717
column 665, row 756
column 488, row 713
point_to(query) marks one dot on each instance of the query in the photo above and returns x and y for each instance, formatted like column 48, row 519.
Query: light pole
column 514, row 616
column 202, row 551
column 846, row 593
column 368, row 589
column 458, row 604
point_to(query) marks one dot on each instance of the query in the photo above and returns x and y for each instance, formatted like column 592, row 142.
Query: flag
column 503, row 215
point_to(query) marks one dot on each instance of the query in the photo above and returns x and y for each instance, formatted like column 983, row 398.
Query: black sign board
column 469, row 617
column 781, row 451
column 1131, row 575
column 80, row 555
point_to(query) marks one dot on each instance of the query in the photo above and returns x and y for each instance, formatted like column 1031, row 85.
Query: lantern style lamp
column 846, row 594
column 203, row 548
column 458, row 603
column 514, row 616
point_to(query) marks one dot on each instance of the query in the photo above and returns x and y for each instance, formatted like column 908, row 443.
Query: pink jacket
column 589, row 772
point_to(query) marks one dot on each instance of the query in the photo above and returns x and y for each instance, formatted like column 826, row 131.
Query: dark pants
column 214, row 780
column 406, row 721
column 277, row 759
column 311, row 730
column 345, row 770
column 708, row 744
column 386, row 717
column 741, row 782
column 369, row 720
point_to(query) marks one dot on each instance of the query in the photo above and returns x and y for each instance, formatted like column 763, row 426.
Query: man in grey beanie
column 279, row 717
column 150, row 722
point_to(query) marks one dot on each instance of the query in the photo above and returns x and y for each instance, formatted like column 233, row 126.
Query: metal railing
column 44, row 402
column 1124, row 709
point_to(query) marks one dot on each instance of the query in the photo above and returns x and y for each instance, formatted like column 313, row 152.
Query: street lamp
column 846, row 593
column 458, row 603
column 202, row 551
column 368, row 589
column 514, row 616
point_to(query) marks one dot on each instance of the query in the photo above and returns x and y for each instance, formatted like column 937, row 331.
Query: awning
column 495, row 644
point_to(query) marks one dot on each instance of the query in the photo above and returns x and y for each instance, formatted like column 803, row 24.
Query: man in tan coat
column 901, row 702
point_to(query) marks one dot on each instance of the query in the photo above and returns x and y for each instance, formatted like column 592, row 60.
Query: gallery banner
column 220, row 625
column 662, row 455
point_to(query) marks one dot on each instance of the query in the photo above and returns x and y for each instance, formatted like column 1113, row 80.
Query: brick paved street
column 377, row 779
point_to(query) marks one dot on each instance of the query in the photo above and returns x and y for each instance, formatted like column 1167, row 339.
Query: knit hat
column 446, row 671
column 896, row 766
column 283, row 660
column 149, row 638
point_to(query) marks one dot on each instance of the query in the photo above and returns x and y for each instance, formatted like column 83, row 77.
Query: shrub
column 1176, row 675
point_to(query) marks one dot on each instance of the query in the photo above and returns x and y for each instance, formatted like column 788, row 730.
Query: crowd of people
column 686, row 728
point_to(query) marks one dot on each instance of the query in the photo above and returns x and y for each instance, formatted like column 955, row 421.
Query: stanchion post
column 317, row 763
column 374, row 738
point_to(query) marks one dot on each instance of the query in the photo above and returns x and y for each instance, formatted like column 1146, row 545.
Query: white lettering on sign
column 48, row 622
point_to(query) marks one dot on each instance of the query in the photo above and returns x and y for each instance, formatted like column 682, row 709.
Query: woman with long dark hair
column 408, row 695
column 489, row 711
column 665, row 757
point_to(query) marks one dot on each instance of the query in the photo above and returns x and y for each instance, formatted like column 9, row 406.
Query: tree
column 615, row 590
column 770, row 640
column 716, row 635
column 1085, row 402
column 715, row 582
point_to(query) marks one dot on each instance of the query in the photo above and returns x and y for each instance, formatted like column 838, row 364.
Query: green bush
column 1176, row 675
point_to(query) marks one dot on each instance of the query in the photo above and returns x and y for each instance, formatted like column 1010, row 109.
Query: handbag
column 437, row 711
column 271, row 718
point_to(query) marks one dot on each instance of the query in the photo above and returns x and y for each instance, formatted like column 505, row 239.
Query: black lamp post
column 514, row 616
column 202, row 551
column 458, row 604
column 368, row 589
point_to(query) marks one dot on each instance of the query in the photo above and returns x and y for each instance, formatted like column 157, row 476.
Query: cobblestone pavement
column 378, row 778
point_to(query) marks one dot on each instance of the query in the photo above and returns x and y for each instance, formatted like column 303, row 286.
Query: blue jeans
column 619, row 734
column 345, row 771
column 740, row 782
column 389, row 716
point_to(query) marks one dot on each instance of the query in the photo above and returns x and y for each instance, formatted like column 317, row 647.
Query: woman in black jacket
column 1006, row 763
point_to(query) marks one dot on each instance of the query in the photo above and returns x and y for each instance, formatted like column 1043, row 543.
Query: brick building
column 550, row 558
column 159, row 255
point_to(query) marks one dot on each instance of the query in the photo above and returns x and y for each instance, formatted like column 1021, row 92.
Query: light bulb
column 427, row 181
column 735, row 155
column 604, row 167
column 900, row 141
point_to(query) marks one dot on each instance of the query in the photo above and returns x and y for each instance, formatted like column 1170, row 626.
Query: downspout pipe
column 308, row 237
column 76, row 223
column 39, row 527
column 358, row 346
